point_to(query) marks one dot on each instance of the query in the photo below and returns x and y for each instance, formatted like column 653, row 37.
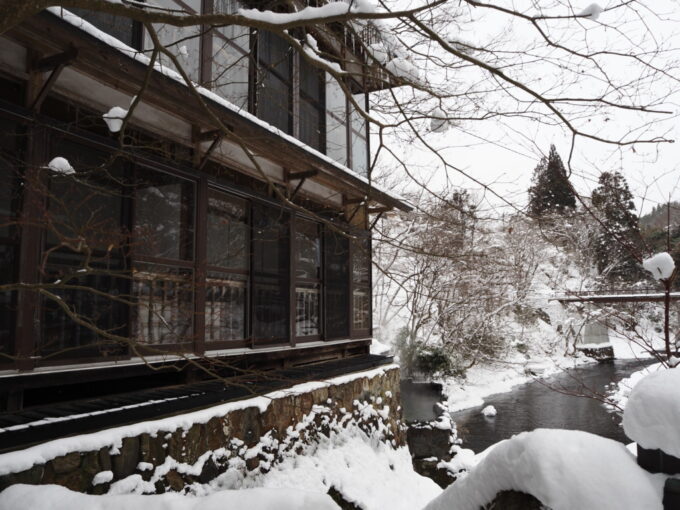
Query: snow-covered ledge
column 250, row 435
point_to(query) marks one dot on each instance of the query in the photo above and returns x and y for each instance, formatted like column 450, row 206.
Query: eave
column 48, row 34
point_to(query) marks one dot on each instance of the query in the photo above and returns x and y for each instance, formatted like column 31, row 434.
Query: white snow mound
column 660, row 265
column 489, row 411
column 114, row 118
column 592, row 12
column 55, row 497
column 653, row 412
column 61, row 166
column 564, row 469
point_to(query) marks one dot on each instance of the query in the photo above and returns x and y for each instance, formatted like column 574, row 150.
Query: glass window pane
column 60, row 332
column 225, row 307
column 310, row 124
column 164, row 222
column 120, row 27
column 359, row 138
column 8, row 312
column 361, row 309
column 307, row 250
column 336, row 122
column 228, row 230
column 307, row 310
column 164, row 310
column 273, row 101
column 361, row 261
column 230, row 69
column 86, row 208
column 270, row 272
column 310, row 80
column 336, row 248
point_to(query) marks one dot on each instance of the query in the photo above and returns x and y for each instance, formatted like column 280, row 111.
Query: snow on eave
column 137, row 55
column 20, row 460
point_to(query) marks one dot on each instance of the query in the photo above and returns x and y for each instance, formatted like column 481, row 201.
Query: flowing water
column 548, row 403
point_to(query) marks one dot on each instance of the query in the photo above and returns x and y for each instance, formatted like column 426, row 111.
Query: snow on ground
column 620, row 392
column 653, row 412
column 367, row 472
column 55, row 497
column 564, row 469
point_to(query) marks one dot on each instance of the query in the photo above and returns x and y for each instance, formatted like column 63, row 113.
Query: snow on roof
column 564, row 469
column 55, row 497
column 325, row 11
column 653, row 412
column 660, row 265
column 171, row 73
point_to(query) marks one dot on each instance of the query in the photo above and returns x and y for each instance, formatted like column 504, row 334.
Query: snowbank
column 55, row 497
column 653, row 412
column 565, row 469
column 621, row 392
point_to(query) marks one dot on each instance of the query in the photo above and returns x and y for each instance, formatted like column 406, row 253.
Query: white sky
column 503, row 155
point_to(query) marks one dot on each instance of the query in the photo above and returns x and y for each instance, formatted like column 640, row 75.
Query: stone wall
column 253, row 434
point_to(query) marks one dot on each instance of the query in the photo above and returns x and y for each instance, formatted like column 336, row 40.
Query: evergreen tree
column 550, row 191
column 619, row 235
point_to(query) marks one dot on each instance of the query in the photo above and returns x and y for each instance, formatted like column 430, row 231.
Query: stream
column 536, row 405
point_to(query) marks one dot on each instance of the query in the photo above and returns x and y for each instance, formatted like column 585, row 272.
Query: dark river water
column 537, row 404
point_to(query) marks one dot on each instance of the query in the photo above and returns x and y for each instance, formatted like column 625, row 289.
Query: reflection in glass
column 307, row 250
column 270, row 272
column 307, row 310
column 164, row 220
column 227, row 232
column 164, row 304
column 336, row 248
column 225, row 307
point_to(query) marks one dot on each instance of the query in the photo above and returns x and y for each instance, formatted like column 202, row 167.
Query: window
column 228, row 260
column 121, row 27
column 183, row 42
column 312, row 130
column 9, row 242
column 361, row 285
column 85, row 218
column 273, row 81
column 231, row 57
column 270, row 273
column 163, row 280
column 336, row 249
column 336, row 121
column 307, row 278
column 359, row 140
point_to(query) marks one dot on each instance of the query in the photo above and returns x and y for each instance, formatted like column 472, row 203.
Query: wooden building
column 228, row 229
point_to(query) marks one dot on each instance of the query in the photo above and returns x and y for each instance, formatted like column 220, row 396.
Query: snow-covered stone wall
column 251, row 435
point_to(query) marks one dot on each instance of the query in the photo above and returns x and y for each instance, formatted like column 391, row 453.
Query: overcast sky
column 503, row 154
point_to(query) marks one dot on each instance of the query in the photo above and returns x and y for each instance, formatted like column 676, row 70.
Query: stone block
column 514, row 500
column 31, row 476
column 76, row 480
column 424, row 441
column 66, row 463
column 175, row 480
column 151, row 449
column 125, row 463
column 215, row 436
column 90, row 463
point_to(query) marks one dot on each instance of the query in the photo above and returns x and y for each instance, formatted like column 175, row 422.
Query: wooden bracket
column 206, row 136
column 350, row 201
column 375, row 221
column 216, row 140
column 56, row 64
column 294, row 176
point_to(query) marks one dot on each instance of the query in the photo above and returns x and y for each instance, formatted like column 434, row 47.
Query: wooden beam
column 293, row 176
column 297, row 188
column 378, row 210
column 350, row 201
column 52, row 62
column 375, row 221
column 210, row 150
column 206, row 136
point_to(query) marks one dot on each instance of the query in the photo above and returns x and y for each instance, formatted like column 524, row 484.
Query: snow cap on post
column 660, row 265
column 61, row 166
column 652, row 413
